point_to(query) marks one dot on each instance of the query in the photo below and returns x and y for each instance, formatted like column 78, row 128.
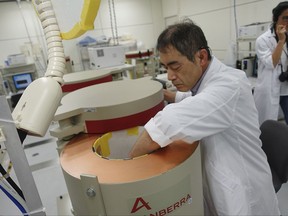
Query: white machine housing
column 102, row 57
column 253, row 30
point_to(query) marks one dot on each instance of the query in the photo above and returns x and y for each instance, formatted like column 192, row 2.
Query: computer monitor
column 21, row 81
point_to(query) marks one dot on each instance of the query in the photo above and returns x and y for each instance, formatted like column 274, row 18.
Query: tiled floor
column 44, row 161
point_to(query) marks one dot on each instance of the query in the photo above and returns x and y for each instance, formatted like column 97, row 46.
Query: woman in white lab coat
column 221, row 113
column 271, row 49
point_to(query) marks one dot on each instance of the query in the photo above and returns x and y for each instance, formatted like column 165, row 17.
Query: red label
column 140, row 203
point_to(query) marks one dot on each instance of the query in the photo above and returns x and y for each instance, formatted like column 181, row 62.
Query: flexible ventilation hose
column 56, row 57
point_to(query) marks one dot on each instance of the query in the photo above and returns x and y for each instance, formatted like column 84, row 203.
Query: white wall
column 139, row 18
column 143, row 19
column 19, row 28
column 217, row 19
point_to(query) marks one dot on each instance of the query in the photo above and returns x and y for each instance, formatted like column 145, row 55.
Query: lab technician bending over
column 221, row 114
column 271, row 50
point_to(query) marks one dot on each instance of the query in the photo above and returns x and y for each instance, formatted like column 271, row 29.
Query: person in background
column 271, row 87
column 219, row 112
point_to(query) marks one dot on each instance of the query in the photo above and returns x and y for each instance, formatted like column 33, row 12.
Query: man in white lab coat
column 219, row 111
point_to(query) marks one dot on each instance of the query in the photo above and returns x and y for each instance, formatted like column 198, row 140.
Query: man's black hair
column 186, row 37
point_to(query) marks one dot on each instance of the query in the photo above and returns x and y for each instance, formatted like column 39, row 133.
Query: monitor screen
column 21, row 81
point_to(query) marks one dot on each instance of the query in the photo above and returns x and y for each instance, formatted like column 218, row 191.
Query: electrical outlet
column 2, row 136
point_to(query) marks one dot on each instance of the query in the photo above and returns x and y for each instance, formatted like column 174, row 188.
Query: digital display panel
column 21, row 81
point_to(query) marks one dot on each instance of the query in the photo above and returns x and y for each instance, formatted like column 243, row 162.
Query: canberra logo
column 140, row 203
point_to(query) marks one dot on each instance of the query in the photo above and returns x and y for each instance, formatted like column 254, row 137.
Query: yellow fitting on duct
column 88, row 15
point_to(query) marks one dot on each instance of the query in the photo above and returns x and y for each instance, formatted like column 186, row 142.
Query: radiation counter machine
column 98, row 126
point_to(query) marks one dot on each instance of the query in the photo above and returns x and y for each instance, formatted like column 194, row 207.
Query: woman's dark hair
column 276, row 12
column 186, row 37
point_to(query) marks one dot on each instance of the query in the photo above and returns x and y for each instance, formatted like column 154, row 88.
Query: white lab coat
column 268, row 88
column 236, row 176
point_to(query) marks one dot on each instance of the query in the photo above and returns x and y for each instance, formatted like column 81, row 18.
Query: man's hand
column 143, row 145
column 169, row 96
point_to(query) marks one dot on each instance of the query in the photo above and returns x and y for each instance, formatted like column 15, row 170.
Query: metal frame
column 19, row 160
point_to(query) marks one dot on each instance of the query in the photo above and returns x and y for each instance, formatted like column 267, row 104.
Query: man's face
column 183, row 73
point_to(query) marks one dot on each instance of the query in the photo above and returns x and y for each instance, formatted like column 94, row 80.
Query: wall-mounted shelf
column 250, row 50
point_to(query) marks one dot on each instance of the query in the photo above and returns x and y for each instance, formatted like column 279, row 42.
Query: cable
column 9, row 168
column 22, row 135
column 11, row 182
column 236, row 31
column 116, row 31
column 35, row 58
column 113, row 15
column 5, row 174
column 111, row 22
column 235, row 20
column 5, row 189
